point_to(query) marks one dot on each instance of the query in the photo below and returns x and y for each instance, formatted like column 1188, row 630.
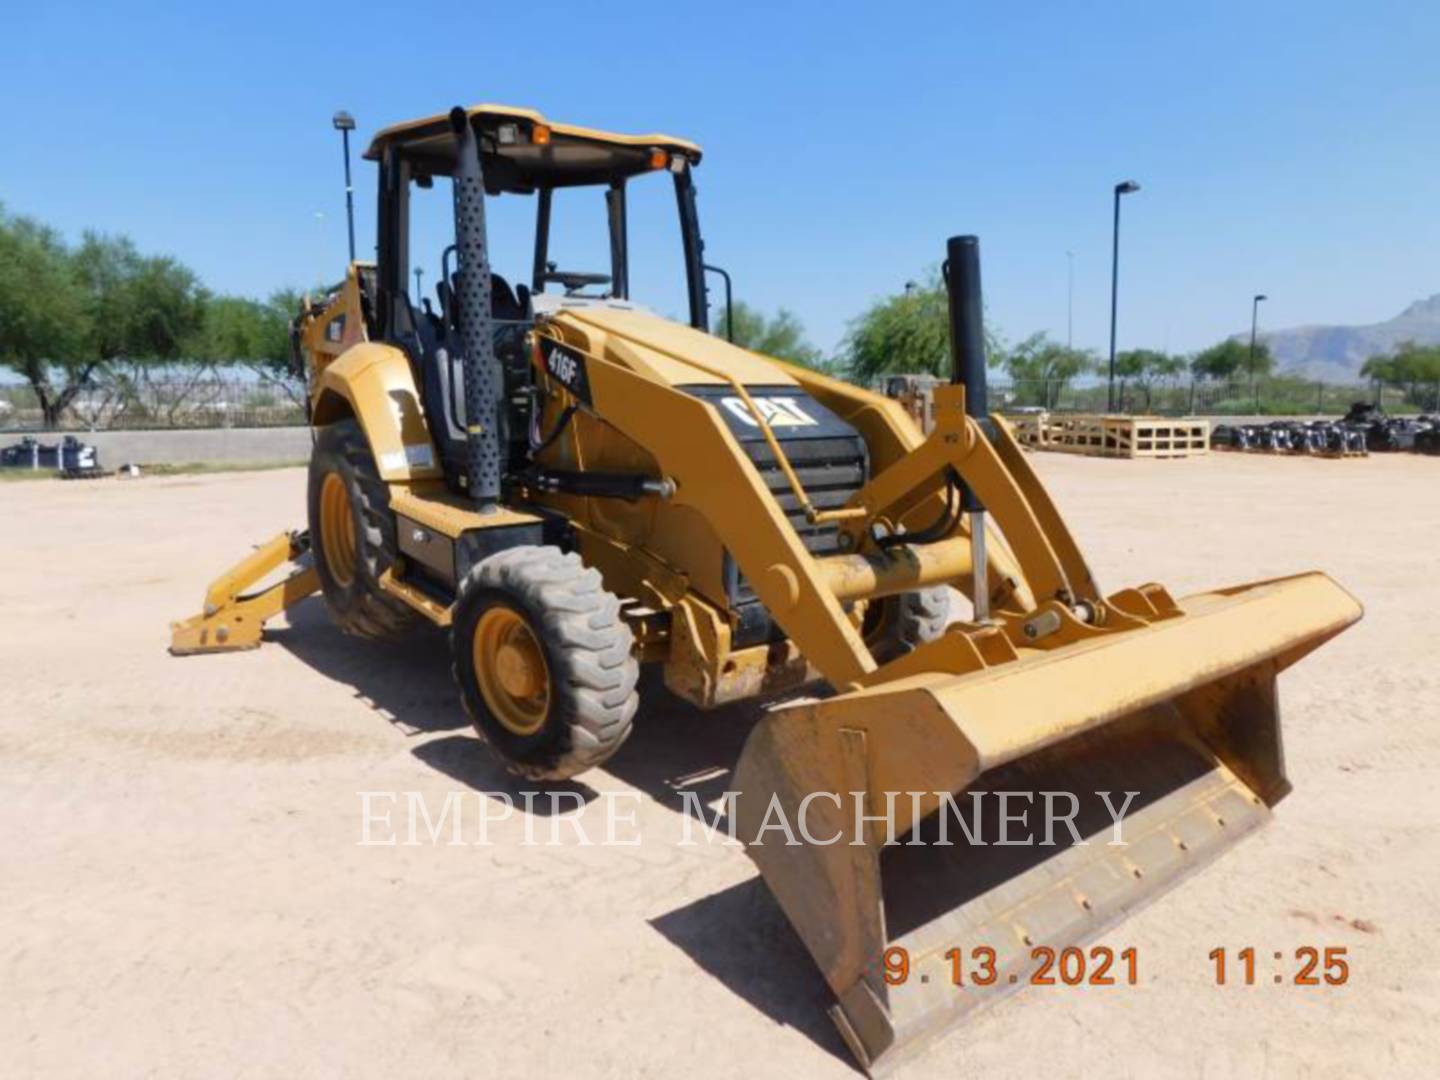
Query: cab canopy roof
column 522, row 150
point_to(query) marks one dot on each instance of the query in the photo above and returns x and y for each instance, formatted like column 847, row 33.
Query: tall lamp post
column 345, row 123
column 1124, row 188
column 1254, row 322
column 419, row 292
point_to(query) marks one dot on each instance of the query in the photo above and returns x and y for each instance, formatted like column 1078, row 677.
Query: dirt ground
column 183, row 890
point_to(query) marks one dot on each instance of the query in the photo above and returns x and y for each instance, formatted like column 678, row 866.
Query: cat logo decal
column 777, row 411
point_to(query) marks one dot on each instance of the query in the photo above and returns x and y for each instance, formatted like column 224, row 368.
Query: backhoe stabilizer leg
column 234, row 619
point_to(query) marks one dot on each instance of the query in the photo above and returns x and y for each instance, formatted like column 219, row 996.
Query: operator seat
column 443, row 374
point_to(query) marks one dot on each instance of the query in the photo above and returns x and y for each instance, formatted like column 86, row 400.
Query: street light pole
column 419, row 292
column 1123, row 188
column 1254, row 321
column 345, row 123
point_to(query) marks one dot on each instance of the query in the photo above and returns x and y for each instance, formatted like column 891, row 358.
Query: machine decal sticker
column 777, row 411
column 566, row 368
column 420, row 457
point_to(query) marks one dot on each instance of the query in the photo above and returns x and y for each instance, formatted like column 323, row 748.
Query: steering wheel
column 573, row 280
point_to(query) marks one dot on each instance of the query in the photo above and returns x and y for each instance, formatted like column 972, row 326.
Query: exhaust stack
column 484, row 389
column 967, row 368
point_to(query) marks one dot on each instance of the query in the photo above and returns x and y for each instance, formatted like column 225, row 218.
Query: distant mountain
column 1335, row 353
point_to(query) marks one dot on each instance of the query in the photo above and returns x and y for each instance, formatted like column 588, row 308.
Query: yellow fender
column 375, row 384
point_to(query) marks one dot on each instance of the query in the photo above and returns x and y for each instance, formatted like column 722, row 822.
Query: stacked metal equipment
column 1321, row 438
column 71, row 458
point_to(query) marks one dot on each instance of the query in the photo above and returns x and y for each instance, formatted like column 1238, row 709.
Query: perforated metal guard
column 484, row 389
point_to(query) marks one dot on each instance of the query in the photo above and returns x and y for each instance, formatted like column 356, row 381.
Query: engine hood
column 664, row 349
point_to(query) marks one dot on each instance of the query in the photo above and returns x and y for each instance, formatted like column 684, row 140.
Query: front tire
column 544, row 662
column 352, row 534
column 896, row 625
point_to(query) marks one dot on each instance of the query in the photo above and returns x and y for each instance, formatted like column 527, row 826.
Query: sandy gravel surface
column 183, row 893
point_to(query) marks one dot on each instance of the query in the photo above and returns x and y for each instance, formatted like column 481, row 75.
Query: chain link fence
column 223, row 400
column 174, row 401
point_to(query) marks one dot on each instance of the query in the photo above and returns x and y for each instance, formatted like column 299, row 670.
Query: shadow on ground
column 738, row 935
column 741, row 937
column 673, row 747
column 408, row 682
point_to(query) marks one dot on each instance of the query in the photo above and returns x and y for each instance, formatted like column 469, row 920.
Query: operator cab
column 521, row 154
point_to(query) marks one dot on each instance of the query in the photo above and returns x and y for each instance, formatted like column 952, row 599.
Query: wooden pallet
column 1114, row 436
column 1034, row 429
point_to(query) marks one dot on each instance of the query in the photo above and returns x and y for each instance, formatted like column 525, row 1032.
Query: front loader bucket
column 1180, row 711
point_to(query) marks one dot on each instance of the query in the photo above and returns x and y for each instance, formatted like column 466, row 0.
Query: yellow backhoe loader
column 574, row 485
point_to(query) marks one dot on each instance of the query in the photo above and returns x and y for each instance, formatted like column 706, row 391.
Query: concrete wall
column 204, row 445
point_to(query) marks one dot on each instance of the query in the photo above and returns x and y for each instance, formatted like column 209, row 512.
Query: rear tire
column 544, row 662
column 352, row 534
column 896, row 625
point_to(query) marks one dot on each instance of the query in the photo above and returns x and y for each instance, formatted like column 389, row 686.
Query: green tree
column 1231, row 358
column 146, row 308
column 907, row 333
column 1413, row 367
column 148, row 312
column 1040, row 369
column 1145, row 368
column 69, row 315
column 1380, row 368
column 782, row 337
column 1418, row 364
column 239, row 330
column 256, row 334
column 45, row 315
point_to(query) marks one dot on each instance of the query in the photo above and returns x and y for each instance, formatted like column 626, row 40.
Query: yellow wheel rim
column 877, row 620
column 510, row 668
column 337, row 529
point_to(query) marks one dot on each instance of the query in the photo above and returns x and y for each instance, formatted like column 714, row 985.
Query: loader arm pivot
column 1047, row 555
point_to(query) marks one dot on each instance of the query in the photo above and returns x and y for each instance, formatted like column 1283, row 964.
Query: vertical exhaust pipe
column 967, row 369
column 484, row 389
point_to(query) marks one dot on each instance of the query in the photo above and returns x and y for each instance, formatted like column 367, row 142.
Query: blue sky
column 1282, row 148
